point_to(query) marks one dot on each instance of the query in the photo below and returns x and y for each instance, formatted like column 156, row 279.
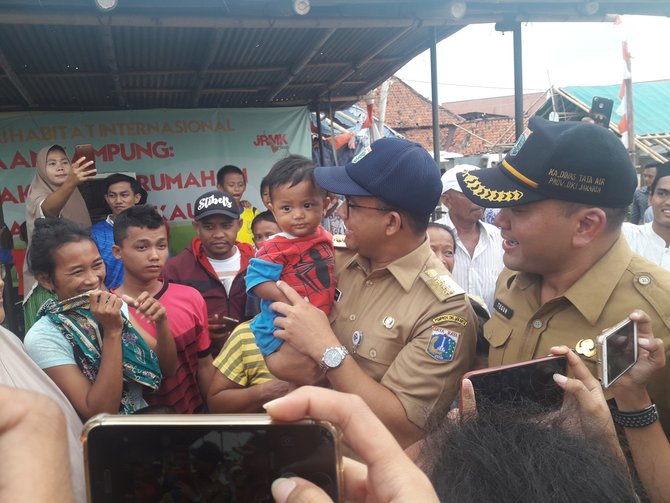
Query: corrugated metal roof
column 651, row 103
column 66, row 54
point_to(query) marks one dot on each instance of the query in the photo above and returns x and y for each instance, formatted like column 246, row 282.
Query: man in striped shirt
column 478, row 251
column 243, row 382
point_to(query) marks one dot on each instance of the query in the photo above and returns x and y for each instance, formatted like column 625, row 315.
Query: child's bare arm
column 268, row 290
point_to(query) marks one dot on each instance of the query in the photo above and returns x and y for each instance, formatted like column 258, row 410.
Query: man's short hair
column 661, row 171
column 290, row 170
column 615, row 216
column 120, row 177
column 227, row 170
column 142, row 215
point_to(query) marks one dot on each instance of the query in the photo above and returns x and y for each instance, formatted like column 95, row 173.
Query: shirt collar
column 405, row 270
column 590, row 293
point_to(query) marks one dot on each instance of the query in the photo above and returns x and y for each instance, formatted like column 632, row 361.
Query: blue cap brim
column 335, row 179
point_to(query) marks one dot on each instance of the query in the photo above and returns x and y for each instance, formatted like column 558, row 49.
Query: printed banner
column 174, row 153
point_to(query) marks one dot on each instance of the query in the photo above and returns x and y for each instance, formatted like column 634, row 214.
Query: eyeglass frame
column 350, row 205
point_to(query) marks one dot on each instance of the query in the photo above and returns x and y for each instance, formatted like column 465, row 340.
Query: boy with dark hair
column 121, row 192
column 231, row 179
column 215, row 264
column 301, row 255
column 263, row 227
column 141, row 243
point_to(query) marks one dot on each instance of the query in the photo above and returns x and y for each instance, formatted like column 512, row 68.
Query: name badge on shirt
column 503, row 309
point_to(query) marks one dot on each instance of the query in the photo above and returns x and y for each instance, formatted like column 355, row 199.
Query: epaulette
column 338, row 241
column 443, row 286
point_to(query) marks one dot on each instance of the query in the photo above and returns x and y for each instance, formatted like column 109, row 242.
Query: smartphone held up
column 232, row 458
column 617, row 351
column 85, row 150
column 528, row 384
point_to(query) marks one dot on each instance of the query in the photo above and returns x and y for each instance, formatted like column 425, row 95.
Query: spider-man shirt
column 305, row 263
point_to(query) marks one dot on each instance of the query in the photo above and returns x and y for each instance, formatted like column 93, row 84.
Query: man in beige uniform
column 401, row 331
column 570, row 274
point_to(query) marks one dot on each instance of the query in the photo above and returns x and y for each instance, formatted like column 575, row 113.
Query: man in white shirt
column 478, row 258
column 652, row 239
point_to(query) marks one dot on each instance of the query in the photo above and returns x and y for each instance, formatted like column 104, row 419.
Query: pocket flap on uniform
column 378, row 349
column 497, row 335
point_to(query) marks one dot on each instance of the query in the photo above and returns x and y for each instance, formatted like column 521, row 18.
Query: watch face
column 332, row 358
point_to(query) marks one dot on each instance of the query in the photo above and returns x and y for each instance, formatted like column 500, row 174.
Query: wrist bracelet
column 637, row 418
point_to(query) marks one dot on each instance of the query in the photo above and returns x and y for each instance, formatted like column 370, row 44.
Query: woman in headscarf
column 53, row 192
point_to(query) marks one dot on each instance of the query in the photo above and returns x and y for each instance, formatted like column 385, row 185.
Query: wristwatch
column 333, row 358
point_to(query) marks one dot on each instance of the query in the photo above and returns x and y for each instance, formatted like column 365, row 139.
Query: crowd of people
column 264, row 310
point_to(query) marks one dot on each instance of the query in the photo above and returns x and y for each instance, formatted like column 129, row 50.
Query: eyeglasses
column 352, row 205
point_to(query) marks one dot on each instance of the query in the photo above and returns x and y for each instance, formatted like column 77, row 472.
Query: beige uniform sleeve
column 427, row 371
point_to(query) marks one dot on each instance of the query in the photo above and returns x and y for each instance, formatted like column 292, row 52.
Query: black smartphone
column 232, row 457
column 523, row 383
column 617, row 352
column 85, row 150
column 601, row 110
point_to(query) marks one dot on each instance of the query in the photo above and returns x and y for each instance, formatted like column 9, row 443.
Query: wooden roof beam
column 215, row 39
column 301, row 63
column 109, row 56
column 15, row 80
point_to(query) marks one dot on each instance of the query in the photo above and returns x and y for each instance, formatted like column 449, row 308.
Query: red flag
column 368, row 119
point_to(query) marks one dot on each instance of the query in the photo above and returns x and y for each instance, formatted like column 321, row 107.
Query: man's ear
column 240, row 222
column 45, row 282
column 137, row 198
column 219, row 187
column 444, row 198
column 393, row 223
column 116, row 251
column 591, row 224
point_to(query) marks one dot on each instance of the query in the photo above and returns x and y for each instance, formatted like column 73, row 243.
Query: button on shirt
column 605, row 295
column 478, row 274
column 387, row 319
column 645, row 242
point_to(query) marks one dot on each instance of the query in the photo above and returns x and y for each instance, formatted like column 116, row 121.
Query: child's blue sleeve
column 260, row 271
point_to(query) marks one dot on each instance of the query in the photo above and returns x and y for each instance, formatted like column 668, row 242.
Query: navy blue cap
column 398, row 171
column 567, row 161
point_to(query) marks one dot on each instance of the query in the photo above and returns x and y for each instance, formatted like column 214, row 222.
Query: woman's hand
column 388, row 475
column 651, row 358
column 80, row 172
column 106, row 308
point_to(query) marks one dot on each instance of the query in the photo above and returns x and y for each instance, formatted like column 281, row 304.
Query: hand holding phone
column 182, row 456
column 86, row 151
column 519, row 384
column 617, row 350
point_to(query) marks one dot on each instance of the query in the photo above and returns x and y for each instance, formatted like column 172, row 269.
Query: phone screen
column 232, row 463
column 518, row 385
column 620, row 351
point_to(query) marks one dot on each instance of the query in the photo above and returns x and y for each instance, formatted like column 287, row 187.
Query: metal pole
column 518, row 82
column 319, row 133
column 435, row 104
column 630, row 115
column 332, row 130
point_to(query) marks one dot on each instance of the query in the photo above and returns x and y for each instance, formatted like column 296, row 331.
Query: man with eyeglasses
column 401, row 332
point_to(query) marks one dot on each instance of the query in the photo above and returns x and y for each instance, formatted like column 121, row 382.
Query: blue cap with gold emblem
column 568, row 161
column 398, row 171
